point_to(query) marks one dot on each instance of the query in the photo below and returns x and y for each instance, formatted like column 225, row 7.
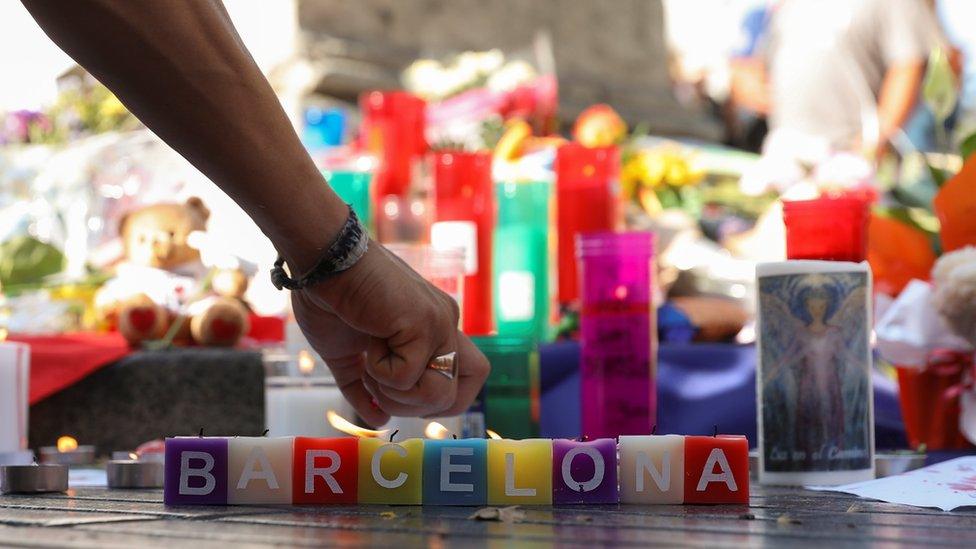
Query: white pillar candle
column 296, row 406
column 259, row 469
column 652, row 468
column 14, row 381
column 813, row 382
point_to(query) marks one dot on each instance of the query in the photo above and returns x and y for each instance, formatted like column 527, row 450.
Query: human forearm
column 181, row 68
column 897, row 97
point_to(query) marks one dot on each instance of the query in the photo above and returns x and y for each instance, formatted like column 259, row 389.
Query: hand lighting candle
column 652, row 469
column 520, row 472
column 196, row 471
column 259, row 470
column 584, row 472
column 325, row 470
column 455, row 472
column 391, row 472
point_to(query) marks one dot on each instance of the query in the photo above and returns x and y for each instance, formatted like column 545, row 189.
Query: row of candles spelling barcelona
column 667, row 469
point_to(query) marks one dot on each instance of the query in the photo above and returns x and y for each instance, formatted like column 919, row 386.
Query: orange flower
column 955, row 206
column 897, row 253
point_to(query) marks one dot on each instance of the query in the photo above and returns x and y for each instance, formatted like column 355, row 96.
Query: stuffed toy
column 162, row 288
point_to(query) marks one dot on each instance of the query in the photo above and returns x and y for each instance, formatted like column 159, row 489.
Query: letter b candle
column 196, row 471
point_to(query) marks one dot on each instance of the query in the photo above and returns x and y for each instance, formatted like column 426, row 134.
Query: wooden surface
column 95, row 517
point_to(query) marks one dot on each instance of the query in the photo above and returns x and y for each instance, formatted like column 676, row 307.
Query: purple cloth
column 700, row 386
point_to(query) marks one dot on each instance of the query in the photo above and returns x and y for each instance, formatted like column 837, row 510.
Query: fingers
column 348, row 377
column 398, row 362
column 472, row 372
column 435, row 394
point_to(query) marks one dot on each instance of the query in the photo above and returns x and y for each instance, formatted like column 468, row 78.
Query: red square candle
column 717, row 469
column 325, row 470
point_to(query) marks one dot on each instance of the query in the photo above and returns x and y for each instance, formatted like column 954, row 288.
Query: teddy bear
column 162, row 289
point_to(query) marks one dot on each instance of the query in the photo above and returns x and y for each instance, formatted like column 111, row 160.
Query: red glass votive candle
column 393, row 130
column 618, row 389
column 464, row 218
column 833, row 229
column 586, row 201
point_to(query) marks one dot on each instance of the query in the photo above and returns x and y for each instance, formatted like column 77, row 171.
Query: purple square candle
column 196, row 471
column 584, row 472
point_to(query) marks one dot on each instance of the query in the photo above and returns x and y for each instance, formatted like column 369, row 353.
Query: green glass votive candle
column 353, row 188
column 521, row 259
column 511, row 399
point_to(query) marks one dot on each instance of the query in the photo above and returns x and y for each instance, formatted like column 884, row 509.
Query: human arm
column 182, row 69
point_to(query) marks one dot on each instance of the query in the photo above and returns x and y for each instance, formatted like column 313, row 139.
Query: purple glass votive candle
column 618, row 393
column 196, row 471
column 584, row 472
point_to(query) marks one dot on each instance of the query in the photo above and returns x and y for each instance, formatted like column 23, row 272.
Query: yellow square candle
column 259, row 469
column 390, row 472
column 520, row 472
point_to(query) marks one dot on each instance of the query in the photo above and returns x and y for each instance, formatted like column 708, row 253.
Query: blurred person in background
column 837, row 75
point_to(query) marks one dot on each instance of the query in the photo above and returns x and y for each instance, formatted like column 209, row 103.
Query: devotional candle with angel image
column 816, row 423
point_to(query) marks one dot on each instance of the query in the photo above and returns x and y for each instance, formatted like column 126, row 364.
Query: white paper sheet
column 948, row 486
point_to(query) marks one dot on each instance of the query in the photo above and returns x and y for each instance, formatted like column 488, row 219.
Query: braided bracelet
column 342, row 254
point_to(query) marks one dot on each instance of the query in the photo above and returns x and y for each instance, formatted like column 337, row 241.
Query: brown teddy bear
column 157, row 288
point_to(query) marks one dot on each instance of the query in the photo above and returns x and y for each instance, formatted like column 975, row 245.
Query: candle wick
column 265, row 433
column 715, row 432
column 654, row 429
column 201, row 432
column 393, row 434
column 455, row 437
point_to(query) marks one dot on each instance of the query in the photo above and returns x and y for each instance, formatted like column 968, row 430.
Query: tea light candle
column 134, row 473
column 67, row 452
column 520, row 472
column 33, row 479
column 455, row 472
column 584, row 472
column 390, row 472
column 652, row 469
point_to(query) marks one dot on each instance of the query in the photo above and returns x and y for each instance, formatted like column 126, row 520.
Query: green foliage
column 24, row 260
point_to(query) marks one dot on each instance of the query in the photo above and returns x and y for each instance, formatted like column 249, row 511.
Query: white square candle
column 652, row 469
column 259, row 470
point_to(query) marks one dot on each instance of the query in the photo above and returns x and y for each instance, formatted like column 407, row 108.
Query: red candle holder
column 393, row 130
column 586, row 201
column 833, row 229
column 464, row 218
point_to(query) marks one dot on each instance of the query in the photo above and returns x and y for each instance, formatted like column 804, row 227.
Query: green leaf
column 939, row 88
column 968, row 146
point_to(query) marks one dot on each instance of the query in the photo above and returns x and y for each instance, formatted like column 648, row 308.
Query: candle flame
column 3, row 334
column 133, row 455
column 493, row 435
column 67, row 444
column 436, row 431
column 346, row 426
column 306, row 362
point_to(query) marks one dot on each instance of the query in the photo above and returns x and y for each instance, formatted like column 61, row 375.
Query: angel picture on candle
column 815, row 368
